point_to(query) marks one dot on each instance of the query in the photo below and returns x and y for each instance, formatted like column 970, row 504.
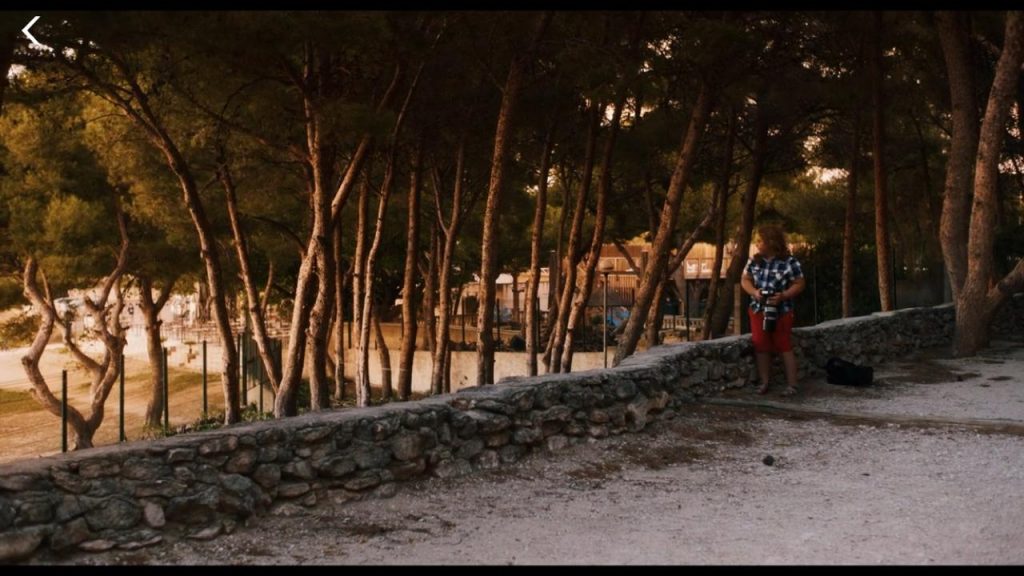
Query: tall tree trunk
column 359, row 259
column 851, row 216
column 326, row 214
column 883, row 243
column 137, row 108
column 412, row 250
column 339, row 318
column 368, row 315
column 362, row 369
column 386, row 392
column 556, row 274
column 573, row 255
column 579, row 305
column 316, row 257
column 723, row 191
column 429, row 307
column 954, row 34
column 655, row 314
column 981, row 296
column 253, row 303
column 489, row 241
column 151, row 309
column 319, row 327
column 536, row 235
column 440, row 369
column 666, row 227
column 723, row 309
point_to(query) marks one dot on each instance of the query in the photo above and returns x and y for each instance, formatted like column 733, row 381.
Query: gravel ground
column 924, row 467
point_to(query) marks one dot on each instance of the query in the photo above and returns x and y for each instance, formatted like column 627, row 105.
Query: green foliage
column 10, row 292
column 18, row 331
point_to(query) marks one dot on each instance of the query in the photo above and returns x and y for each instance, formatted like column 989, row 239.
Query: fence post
column 167, row 410
column 121, row 398
column 63, row 410
column 244, row 347
column 204, row 379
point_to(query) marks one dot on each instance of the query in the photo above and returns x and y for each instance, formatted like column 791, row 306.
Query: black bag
column 847, row 373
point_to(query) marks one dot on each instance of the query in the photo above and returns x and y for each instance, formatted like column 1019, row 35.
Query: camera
column 771, row 311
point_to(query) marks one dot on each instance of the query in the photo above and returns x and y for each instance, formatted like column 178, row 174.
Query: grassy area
column 17, row 402
column 26, row 430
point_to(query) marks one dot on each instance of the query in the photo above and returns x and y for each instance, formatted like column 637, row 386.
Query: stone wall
column 203, row 484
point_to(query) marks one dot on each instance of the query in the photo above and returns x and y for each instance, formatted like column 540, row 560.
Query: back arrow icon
column 31, row 37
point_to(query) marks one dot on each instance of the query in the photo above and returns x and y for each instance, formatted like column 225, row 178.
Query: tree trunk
column 669, row 214
column 319, row 327
column 363, row 368
column 81, row 436
column 412, row 250
column 151, row 313
column 339, row 318
column 883, row 244
column 980, row 297
column 954, row 34
column 722, row 194
column 536, row 235
column 556, row 276
column 655, row 316
column 579, row 305
column 110, row 332
column 723, row 309
column 441, row 358
column 489, row 241
column 386, row 392
column 137, row 108
column 429, row 307
column 316, row 257
column 253, row 303
column 571, row 258
column 359, row 259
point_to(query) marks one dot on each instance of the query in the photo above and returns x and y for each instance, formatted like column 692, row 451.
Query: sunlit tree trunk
column 536, row 235
column 489, row 244
column 386, row 390
column 409, row 296
column 151, row 309
column 368, row 314
column 666, row 227
column 252, row 299
column 577, row 314
column 883, row 243
column 571, row 260
column 954, row 34
column 981, row 294
column 339, row 318
column 723, row 309
column 429, row 307
column 722, row 193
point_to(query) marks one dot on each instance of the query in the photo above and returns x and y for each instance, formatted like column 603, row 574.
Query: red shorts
column 768, row 342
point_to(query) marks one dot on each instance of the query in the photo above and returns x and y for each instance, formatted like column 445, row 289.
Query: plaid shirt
column 776, row 274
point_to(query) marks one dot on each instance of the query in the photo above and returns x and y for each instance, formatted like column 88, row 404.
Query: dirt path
column 853, row 479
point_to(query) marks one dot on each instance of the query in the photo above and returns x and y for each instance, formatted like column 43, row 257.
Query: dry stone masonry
column 203, row 484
